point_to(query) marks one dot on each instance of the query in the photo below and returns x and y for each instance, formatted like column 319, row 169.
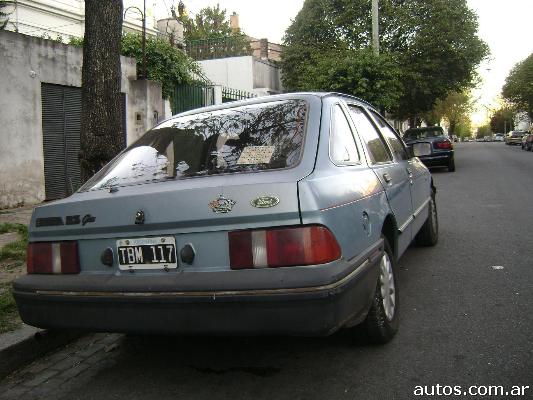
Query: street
column 466, row 308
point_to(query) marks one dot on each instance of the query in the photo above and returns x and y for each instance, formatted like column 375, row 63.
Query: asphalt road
column 463, row 322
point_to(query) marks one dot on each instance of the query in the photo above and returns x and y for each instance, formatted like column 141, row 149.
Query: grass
column 15, row 250
column 12, row 255
column 9, row 318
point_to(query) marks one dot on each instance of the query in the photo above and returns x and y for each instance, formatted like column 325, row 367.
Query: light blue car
column 277, row 215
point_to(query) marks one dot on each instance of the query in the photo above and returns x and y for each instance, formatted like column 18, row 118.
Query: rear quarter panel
column 339, row 196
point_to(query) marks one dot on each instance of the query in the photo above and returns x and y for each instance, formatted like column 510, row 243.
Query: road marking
column 496, row 267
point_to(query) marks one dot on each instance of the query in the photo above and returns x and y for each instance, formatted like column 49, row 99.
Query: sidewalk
column 26, row 343
column 21, row 215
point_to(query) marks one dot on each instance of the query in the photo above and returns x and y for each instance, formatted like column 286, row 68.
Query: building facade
column 40, row 114
column 66, row 18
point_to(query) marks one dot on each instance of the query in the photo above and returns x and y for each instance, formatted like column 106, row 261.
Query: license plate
column 147, row 253
column 421, row 149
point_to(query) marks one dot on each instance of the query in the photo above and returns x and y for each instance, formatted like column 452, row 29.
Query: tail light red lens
column 444, row 145
column 53, row 258
column 282, row 247
column 39, row 258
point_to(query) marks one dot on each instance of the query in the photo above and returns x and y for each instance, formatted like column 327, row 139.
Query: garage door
column 61, row 114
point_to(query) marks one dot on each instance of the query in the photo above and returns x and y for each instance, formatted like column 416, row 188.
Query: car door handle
column 387, row 177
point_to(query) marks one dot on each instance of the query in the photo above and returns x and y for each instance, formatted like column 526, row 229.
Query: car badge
column 87, row 219
column 222, row 205
column 265, row 202
column 139, row 218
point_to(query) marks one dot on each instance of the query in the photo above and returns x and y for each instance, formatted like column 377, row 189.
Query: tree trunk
column 453, row 125
column 413, row 121
column 101, row 120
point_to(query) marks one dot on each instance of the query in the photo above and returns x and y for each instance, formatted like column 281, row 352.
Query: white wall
column 66, row 18
column 25, row 63
column 233, row 72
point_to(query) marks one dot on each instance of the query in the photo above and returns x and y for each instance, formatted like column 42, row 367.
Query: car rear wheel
column 451, row 165
column 382, row 320
column 429, row 233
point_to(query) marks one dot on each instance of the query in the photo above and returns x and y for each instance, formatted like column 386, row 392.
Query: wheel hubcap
column 388, row 292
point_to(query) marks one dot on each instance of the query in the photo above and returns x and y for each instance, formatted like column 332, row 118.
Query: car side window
column 374, row 141
column 395, row 142
column 343, row 149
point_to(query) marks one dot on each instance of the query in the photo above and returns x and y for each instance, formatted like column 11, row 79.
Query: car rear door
column 392, row 174
column 419, row 176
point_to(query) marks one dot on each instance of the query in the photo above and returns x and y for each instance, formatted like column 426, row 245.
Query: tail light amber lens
column 53, row 258
column 282, row 247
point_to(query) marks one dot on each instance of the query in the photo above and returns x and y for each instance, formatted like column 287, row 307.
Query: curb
column 26, row 344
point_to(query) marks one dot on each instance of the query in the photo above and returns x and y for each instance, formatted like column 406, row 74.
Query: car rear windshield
column 249, row 138
column 416, row 134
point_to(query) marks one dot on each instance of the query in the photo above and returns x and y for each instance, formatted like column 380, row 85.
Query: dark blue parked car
column 434, row 144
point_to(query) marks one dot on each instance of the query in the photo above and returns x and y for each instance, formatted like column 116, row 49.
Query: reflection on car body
column 277, row 215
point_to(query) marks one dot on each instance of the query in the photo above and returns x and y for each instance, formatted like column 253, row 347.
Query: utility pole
column 375, row 27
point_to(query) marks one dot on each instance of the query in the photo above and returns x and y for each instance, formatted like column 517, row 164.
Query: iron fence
column 190, row 96
column 229, row 94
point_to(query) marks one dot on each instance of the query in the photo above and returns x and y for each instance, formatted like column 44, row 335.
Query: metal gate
column 188, row 97
column 61, row 139
column 61, row 122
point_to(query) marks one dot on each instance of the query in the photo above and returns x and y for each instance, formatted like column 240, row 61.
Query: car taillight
column 282, row 247
column 53, row 258
column 444, row 145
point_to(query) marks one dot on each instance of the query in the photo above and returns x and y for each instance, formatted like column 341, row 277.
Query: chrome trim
column 366, row 196
column 402, row 228
column 419, row 210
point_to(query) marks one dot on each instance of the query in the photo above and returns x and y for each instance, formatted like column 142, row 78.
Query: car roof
column 425, row 128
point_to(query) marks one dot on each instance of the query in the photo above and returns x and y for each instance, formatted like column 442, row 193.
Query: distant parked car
column 438, row 144
column 528, row 145
column 499, row 137
column 276, row 215
column 523, row 144
column 515, row 137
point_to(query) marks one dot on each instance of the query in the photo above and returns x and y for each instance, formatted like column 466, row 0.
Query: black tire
column 451, row 165
column 428, row 235
column 378, row 327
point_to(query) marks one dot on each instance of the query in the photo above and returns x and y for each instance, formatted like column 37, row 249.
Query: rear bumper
column 441, row 158
column 309, row 311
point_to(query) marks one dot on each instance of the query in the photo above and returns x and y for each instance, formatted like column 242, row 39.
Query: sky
column 505, row 25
